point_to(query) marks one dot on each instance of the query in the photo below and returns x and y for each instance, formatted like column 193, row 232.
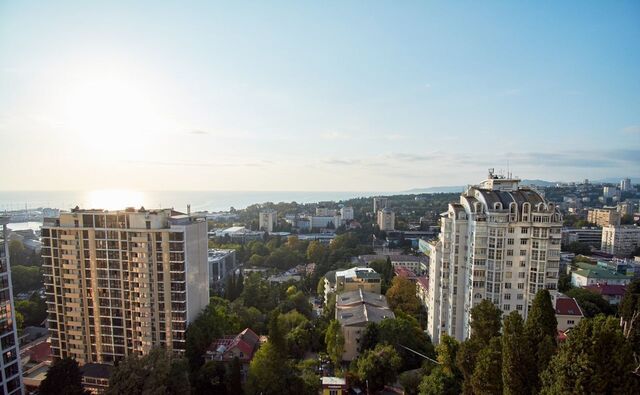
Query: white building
column 386, row 219
column 221, row 263
column 268, row 220
column 625, row 185
column 568, row 312
column 501, row 243
column 379, row 203
column 347, row 213
column 620, row 241
column 11, row 376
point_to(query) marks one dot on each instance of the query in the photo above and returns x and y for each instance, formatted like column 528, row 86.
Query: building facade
column 379, row 203
column 386, row 219
column 620, row 241
column 501, row 243
column 11, row 374
column 268, row 220
column 118, row 283
column 604, row 217
column 347, row 213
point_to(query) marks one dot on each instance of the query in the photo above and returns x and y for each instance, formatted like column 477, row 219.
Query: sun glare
column 115, row 199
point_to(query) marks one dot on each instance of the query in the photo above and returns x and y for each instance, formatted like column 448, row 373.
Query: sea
column 199, row 200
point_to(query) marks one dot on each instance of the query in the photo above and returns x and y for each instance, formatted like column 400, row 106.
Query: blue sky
column 345, row 95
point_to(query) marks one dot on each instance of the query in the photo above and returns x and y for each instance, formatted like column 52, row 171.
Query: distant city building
column 501, row 243
column 417, row 264
column 238, row 234
column 587, row 236
column 620, row 241
column 379, row 203
column 584, row 274
column 334, row 386
column 322, row 211
column 347, row 213
column 268, row 220
column 221, row 263
column 625, row 185
column 354, row 310
column 610, row 192
column 11, row 376
column 625, row 208
column 604, row 217
column 386, row 219
column 119, row 283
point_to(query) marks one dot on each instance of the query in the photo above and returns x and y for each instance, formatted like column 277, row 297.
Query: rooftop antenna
column 508, row 172
column 189, row 210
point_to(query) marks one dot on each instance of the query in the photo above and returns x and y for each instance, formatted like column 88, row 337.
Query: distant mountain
column 616, row 180
column 539, row 183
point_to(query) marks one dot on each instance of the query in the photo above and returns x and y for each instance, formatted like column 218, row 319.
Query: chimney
column 189, row 210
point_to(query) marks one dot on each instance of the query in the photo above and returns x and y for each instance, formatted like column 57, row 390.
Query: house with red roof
column 568, row 312
column 242, row 346
column 612, row 293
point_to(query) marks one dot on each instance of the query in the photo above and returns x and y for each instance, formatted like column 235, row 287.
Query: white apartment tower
column 620, row 241
column 347, row 213
column 386, row 219
column 11, row 374
column 121, row 282
column 502, row 243
column 379, row 203
column 268, row 220
column 625, row 184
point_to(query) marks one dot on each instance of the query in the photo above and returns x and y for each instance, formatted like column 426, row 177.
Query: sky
column 315, row 96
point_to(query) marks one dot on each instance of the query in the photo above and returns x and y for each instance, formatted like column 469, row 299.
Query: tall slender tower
column 121, row 282
column 11, row 376
column 501, row 243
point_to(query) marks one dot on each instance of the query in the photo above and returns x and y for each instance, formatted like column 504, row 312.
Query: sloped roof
column 568, row 306
column 607, row 289
column 246, row 341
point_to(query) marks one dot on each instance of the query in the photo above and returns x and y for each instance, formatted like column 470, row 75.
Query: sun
column 115, row 199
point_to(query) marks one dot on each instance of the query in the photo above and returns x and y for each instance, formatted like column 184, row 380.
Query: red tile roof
column 38, row 352
column 607, row 289
column 402, row 271
column 246, row 341
column 568, row 306
column 423, row 282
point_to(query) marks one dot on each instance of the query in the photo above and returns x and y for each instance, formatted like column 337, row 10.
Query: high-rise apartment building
column 11, row 374
column 121, row 282
column 620, row 241
column 501, row 243
column 386, row 219
column 604, row 217
column 347, row 213
column 625, row 185
column 268, row 220
column 379, row 203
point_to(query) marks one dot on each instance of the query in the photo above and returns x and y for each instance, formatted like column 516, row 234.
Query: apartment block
column 118, row 283
column 379, row 203
column 604, row 217
column 501, row 242
column 268, row 220
column 386, row 219
column 620, row 241
column 11, row 373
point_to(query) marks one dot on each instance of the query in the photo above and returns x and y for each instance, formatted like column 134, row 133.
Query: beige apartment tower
column 604, row 217
column 501, row 242
column 268, row 220
column 386, row 219
column 118, row 283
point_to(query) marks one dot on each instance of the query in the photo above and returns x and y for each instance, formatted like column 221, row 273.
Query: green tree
column 466, row 362
column 487, row 376
column 233, row 378
column 370, row 337
column 209, row 379
column 34, row 310
column 485, row 321
column 156, row 372
column 63, row 377
column 564, row 282
column 267, row 371
column 517, row 358
column 629, row 311
column 596, row 358
column 410, row 381
column 404, row 331
column 25, row 278
column 590, row 302
column 401, row 296
column 378, row 367
column 541, row 329
column 445, row 378
column 334, row 339
column 316, row 252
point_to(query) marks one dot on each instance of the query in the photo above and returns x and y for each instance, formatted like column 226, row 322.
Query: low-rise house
column 95, row 377
column 404, row 272
column 587, row 274
column 354, row 310
column 568, row 312
column 242, row 346
column 417, row 264
column 364, row 278
column 612, row 293
column 334, row 386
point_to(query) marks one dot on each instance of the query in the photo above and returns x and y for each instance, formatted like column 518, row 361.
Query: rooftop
column 607, row 289
column 350, row 298
column 599, row 272
column 568, row 306
column 360, row 314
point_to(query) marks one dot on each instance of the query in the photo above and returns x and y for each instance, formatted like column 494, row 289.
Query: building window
column 507, row 296
column 570, row 322
column 506, row 307
column 524, row 231
column 523, row 252
column 519, row 307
